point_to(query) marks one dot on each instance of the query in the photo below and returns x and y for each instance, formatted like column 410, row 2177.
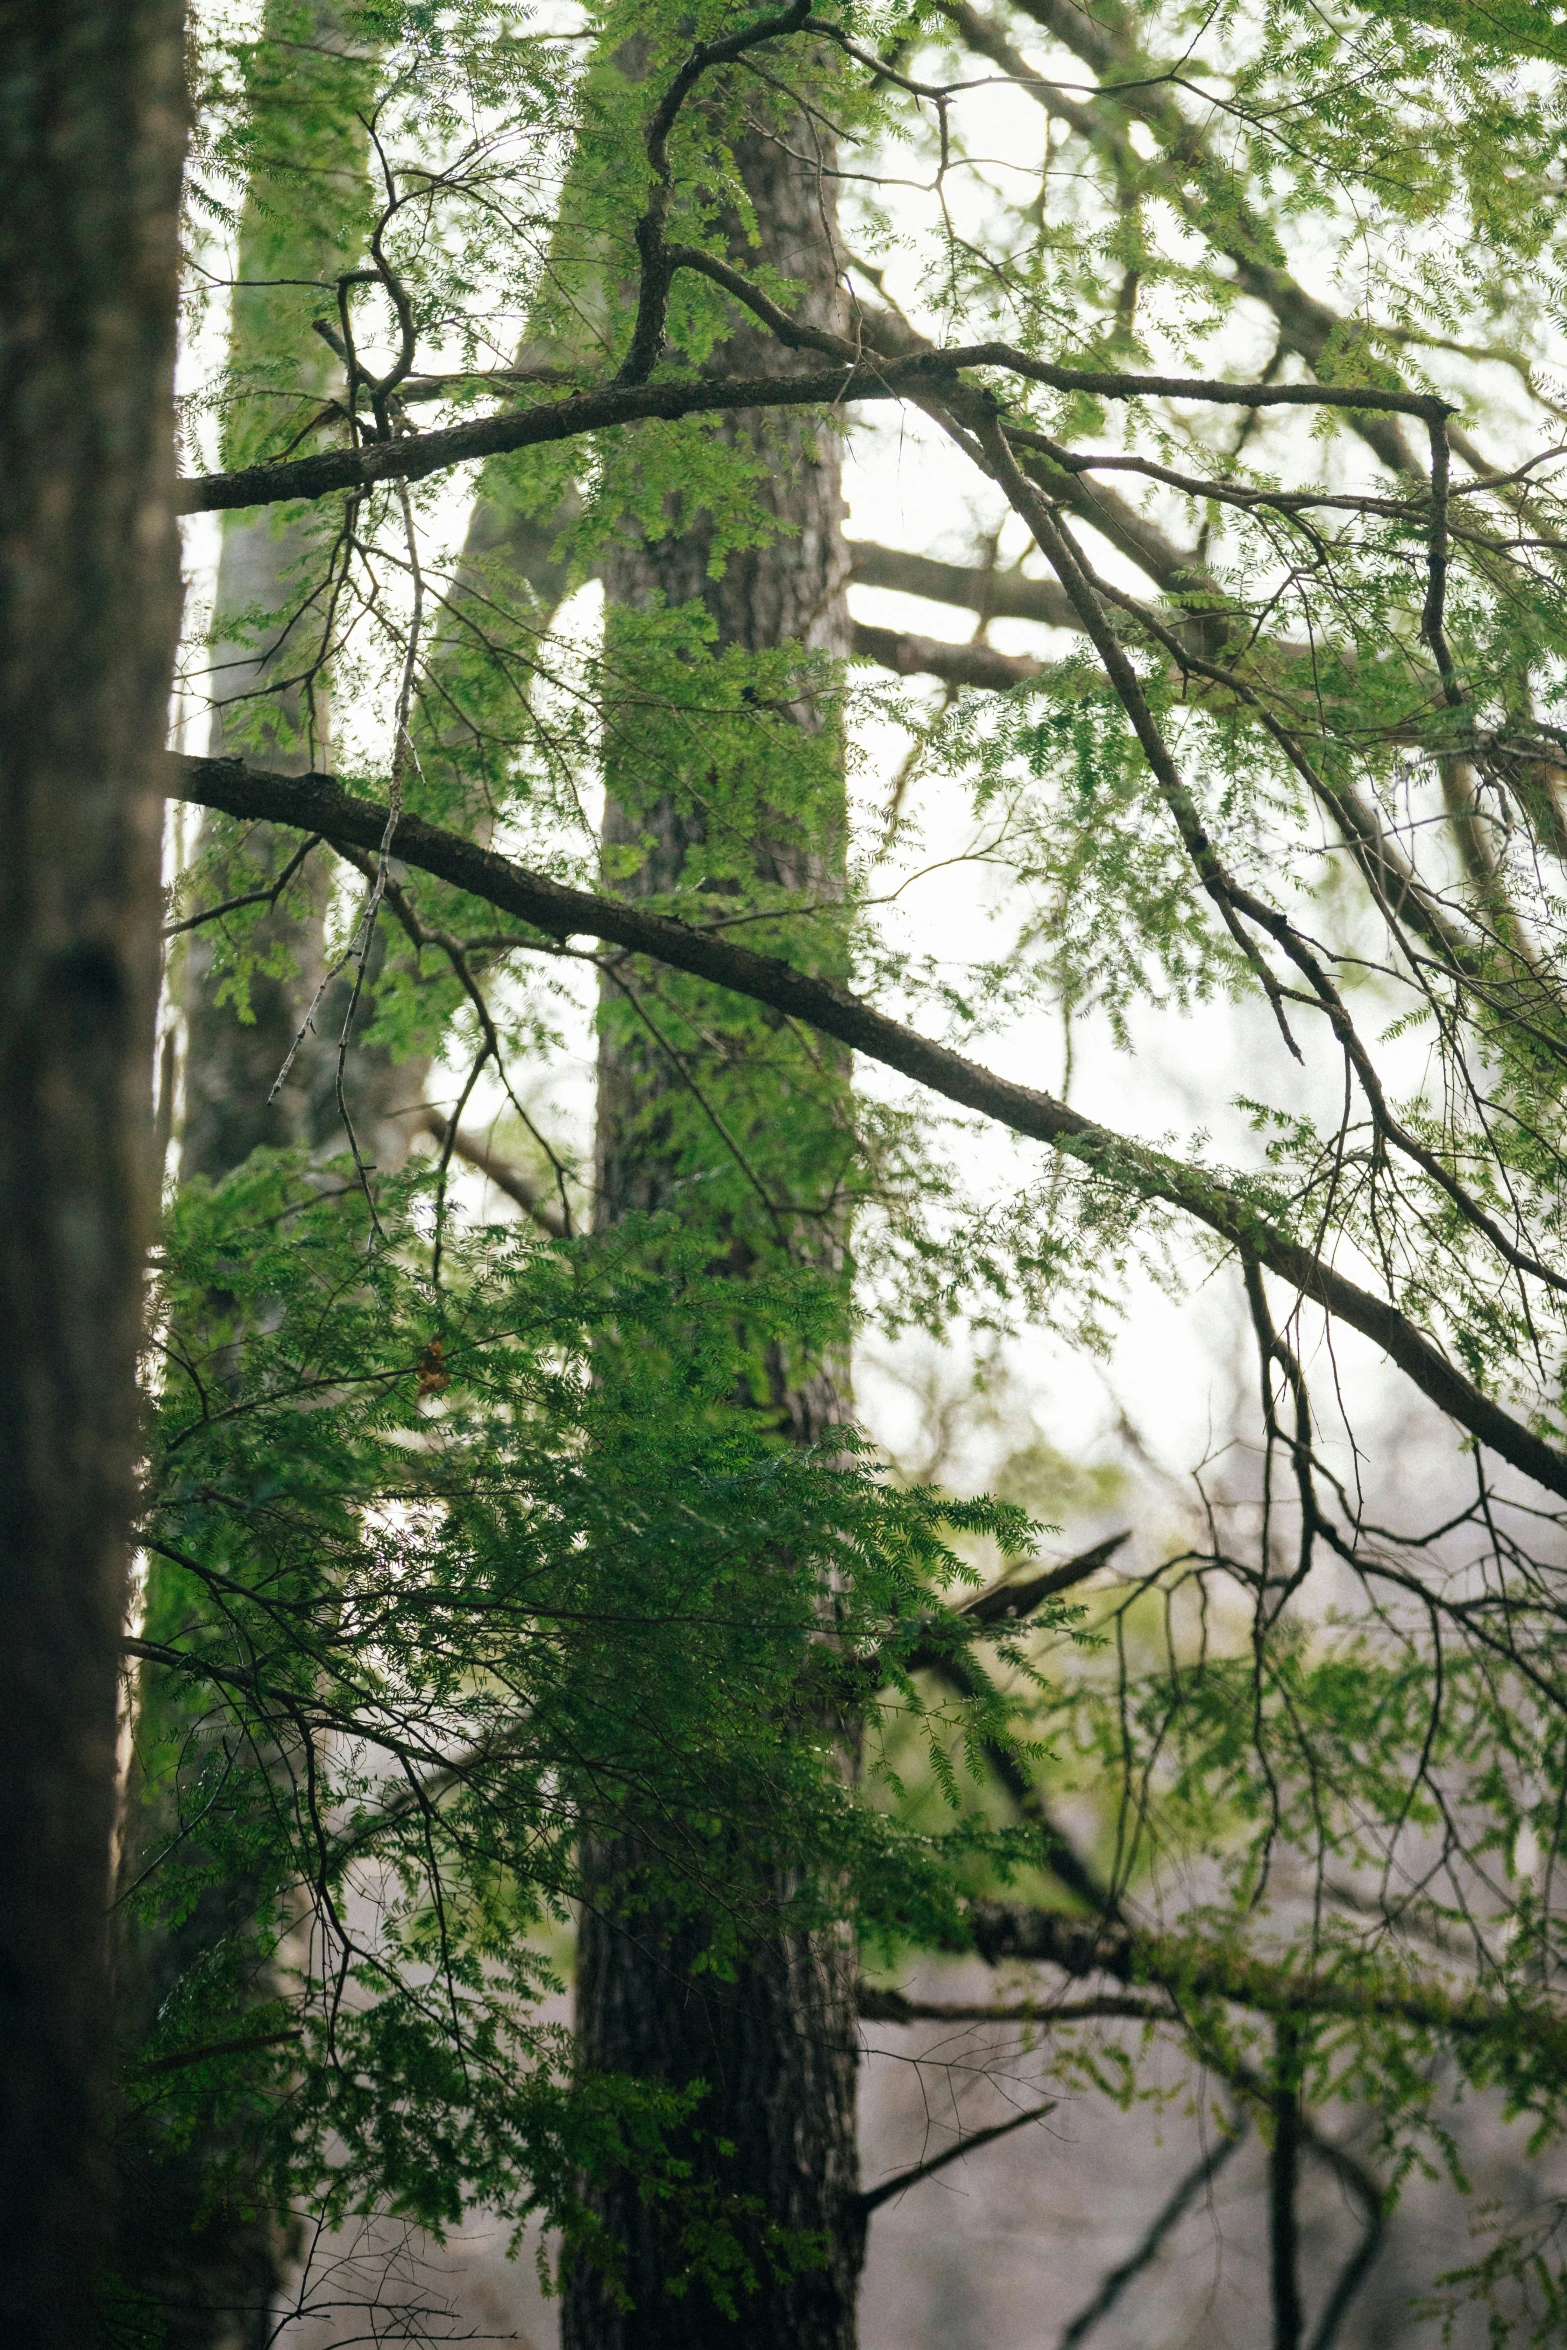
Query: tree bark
column 776, row 2046
column 92, row 122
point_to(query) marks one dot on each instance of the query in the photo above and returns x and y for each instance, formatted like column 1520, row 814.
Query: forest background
column 591, row 1272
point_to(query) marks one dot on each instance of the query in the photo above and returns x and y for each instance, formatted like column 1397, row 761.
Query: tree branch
column 1373, row 2204
column 890, row 2007
column 419, row 455
column 994, row 595
column 1198, row 1970
column 545, row 1212
column 1163, row 2224
column 874, row 2197
column 1309, row 327
column 658, row 261
column 241, row 2045
column 968, row 1679
column 314, row 803
column 924, row 656
column 606, row 407
column 1019, row 1595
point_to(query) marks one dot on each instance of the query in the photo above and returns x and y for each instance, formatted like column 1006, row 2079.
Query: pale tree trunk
column 778, row 2045
column 209, row 2268
column 271, row 685
column 232, row 1065
column 92, row 122
column 203, row 2266
column 305, row 223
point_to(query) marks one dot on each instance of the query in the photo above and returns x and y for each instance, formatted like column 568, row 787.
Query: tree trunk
column 92, row 120
column 232, row 1065
column 200, row 2256
column 778, row 2045
column 271, row 681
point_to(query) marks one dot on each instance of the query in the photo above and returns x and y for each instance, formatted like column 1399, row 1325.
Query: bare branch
column 924, row 656
column 1018, row 1596
column 972, row 587
column 890, row 2007
column 510, row 1179
column 1165, row 2221
column 875, row 2197
column 1373, row 2204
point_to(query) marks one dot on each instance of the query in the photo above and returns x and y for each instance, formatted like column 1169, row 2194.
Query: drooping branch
column 1239, row 908
column 1181, row 574
column 314, row 803
column 1309, row 326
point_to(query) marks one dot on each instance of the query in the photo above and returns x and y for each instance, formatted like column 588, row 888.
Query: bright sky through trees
column 1133, row 976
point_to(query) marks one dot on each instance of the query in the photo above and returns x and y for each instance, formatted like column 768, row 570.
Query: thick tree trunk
column 92, row 118
column 777, row 2046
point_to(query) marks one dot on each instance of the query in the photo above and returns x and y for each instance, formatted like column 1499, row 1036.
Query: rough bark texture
column 779, row 2050
column 92, row 117
column 778, row 2046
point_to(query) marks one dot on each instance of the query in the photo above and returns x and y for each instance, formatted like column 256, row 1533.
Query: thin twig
column 875, row 2197
column 254, row 897
column 1164, row 2223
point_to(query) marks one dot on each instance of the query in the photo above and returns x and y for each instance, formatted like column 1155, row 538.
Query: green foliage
column 513, row 1524
column 435, row 1564
column 1520, row 28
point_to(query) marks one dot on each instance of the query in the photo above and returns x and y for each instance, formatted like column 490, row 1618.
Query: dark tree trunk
column 92, row 118
column 777, row 2046
column 1289, row 2320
